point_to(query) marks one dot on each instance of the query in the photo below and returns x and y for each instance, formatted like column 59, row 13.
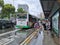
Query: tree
column 1, row 3
column 20, row 10
column 1, row 6
column 7, row 9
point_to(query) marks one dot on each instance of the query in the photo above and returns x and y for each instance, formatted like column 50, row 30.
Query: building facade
column 24, row 6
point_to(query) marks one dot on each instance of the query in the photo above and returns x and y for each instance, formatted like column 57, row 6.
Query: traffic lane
column 6, row 30
column 22, row 35
column 19, row 37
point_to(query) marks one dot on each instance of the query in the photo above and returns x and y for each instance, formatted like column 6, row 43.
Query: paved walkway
column 43, row 39
column 38, row 40
column 48, row 40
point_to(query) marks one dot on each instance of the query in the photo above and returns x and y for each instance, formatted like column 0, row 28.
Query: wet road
column 6, row 30
column 38, row 40
column 15, row 39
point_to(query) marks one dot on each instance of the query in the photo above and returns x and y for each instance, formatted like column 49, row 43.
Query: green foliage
column 7, row 9
column 1, row 3
column 20, row 10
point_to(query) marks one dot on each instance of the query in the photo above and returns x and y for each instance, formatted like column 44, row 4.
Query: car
column 5, row 24
column 13, row 20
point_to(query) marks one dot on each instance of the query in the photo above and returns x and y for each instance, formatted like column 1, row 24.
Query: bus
column 24, row 20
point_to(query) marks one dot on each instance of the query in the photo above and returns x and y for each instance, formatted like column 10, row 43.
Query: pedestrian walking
column 36, row 26
column 47, row 26
column 44, row 24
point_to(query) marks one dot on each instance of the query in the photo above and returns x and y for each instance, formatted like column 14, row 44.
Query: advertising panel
column 55, row 22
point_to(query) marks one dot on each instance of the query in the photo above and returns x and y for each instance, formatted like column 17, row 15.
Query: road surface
column 38, row 40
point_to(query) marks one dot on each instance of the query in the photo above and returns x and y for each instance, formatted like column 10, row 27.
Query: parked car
column 13, row 20
column 5, row 24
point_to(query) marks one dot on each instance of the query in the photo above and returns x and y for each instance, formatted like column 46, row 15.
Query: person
column 44, row 24
column 36, row 26
column 47, row 26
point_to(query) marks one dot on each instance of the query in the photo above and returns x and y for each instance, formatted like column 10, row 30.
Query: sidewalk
column 43, row 39
column 38, row 40
column 48, row 40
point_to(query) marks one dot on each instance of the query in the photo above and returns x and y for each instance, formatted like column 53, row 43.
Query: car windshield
column 22, row 16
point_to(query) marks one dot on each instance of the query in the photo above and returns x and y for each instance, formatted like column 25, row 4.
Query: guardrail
column 29, row 38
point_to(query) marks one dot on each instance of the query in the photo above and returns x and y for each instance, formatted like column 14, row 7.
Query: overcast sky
column 34, row 5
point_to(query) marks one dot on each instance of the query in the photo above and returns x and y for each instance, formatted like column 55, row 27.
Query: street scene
column 29, row 22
